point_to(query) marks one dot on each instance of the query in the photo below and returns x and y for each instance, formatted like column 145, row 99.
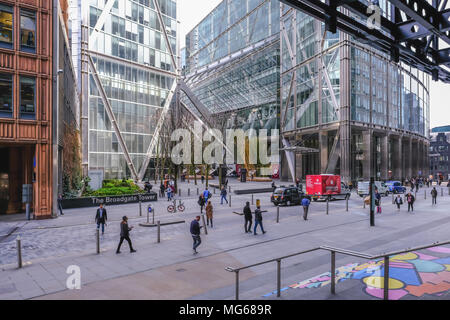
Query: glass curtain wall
column 133, row 58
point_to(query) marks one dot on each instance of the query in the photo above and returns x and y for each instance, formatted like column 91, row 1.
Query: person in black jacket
column 60, row 198
column 195, row 232
column 125, row 235
column 258, row 220
column 248, row 218
column 101, row 217
column 434, row 195
column 201, row 202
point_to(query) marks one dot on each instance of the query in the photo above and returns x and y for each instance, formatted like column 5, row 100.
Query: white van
column 363, row 188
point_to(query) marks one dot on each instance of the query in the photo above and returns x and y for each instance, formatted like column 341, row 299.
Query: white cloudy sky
column 191, row 12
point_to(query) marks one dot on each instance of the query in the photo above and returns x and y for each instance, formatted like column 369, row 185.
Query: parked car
column 364, row 187
column 287, row 196
column 395, row 187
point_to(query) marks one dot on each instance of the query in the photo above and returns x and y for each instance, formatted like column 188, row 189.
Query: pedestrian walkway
column 169, row 270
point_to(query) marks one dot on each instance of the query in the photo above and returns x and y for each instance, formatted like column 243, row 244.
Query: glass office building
column 233, row 62
column 365, row 115
column 134, row 64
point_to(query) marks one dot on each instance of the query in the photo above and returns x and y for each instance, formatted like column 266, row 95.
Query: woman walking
column 209, row 214
column 398, row 201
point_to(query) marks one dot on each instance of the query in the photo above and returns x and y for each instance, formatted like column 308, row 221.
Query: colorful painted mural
column 415, row 273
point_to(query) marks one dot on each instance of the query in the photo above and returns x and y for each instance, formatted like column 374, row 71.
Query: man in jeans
column 305, row 203
column 434, row 195
column 258, row 220
column 223, row 195
column 125, row 235
column 195, row 232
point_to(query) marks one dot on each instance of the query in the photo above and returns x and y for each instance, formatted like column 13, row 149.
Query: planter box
column 108, row 201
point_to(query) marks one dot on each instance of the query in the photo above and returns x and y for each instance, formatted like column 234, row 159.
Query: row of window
column 27, row 97
column 27, row 29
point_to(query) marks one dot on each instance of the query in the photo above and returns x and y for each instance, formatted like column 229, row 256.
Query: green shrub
column 115, row 188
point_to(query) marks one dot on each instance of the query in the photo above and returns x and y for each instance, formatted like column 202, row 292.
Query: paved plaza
column 168, row 270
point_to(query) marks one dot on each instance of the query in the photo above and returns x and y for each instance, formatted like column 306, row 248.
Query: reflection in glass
column 27, row 97
column 28, row 30
column 6, row 26
column 6, row 89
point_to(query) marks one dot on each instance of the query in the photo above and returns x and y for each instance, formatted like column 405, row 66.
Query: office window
column 27, row 31
column 27, row 98
column 6, row 27
column 6, row 96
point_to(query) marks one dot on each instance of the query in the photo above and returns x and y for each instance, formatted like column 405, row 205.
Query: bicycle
column 180, row 207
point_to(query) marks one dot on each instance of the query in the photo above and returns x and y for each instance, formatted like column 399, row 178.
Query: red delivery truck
column 322, row 186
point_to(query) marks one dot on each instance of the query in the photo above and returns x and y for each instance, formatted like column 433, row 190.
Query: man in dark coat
column 125, row 235
column 195, row 232
column 434, row 195
column 258, row 220
column 248, row 218
column 101, row 218
column 60, row 199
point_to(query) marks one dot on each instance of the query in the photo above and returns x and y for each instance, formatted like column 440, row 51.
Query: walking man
column 223, row 195
column 206, row 194
column 209, row 214
column 258, row 220
column 434, row 195
column 398, row 201
column 410, row 199
column 201, row 202
column 248, row 218
column 60, row 198
column 101, row 218
column 305, row 203
column 161, row 190
column 203, row 179
column 125, row 235
column 195, row 232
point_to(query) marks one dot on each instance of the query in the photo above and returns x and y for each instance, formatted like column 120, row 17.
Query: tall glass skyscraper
column 129, row 51
column 233, row 62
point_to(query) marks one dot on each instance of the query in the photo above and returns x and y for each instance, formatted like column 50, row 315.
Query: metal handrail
column 333, row 252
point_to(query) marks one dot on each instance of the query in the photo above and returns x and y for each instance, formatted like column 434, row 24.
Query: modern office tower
column 34, row 63
column 440, row 153
column 232, row 62
column 365, row 115
column 25, row 111
column 126, row 43
column 343, row 107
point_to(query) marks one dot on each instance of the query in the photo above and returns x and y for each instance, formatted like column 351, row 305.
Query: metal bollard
column 140, row 208
column 179, row 192
column 229, row 189
column 204, row 224
column 174, row 206
column 229, row 200
column 278, row 278
column 19, row 251
column 98, row 241
column 328, row 205
column 253, row 201
column 159, row 231
column 189, row 192
column 346, row 204
column 333, row 272
column 393, row 198
column 425, row 194
column 386, row 278
column 153, row 213
column 364, row 203
column 442, row 192
column 278, row 214
column 197, row 192
column 214, row 190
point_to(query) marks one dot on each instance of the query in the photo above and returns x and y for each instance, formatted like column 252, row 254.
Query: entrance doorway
column 16, row 170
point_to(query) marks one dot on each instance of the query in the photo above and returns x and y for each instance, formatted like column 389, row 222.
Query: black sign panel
column 108, row 201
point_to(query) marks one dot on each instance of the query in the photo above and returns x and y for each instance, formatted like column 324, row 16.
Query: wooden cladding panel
column 6, row 130
column 27, row 131
column 27, row 64
column 34, row 3
column 6, row 60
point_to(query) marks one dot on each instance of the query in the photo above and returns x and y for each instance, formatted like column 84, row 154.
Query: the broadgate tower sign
column 194, row 146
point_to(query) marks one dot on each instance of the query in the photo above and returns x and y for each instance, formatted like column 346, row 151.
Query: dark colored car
column 287, row 196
